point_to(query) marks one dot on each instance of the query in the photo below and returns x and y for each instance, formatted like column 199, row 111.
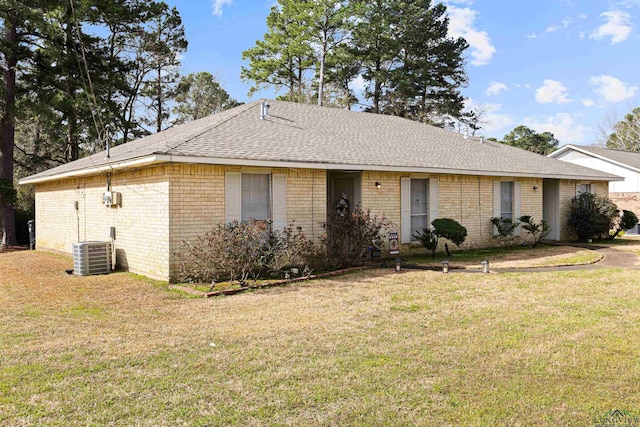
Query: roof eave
column 597, row 156
column 127, row 164
column 162, row 158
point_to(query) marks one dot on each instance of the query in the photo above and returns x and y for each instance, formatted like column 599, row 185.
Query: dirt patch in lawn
column 544, row 256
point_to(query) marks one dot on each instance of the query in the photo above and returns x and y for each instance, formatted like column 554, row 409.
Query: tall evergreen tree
column 164, row 42
column 425, row 84
column 528, row 139
column 20, row 24
column 376, row 45
column 284, row 56
column 199, row 95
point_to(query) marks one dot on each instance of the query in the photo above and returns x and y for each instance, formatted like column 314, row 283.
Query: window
column 255, row 197
column 506, row 200
column 419, row 206
column 582, row 188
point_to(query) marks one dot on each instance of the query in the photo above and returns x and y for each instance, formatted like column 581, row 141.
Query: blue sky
column 564, row 66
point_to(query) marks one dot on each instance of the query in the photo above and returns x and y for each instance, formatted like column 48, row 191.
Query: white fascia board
column 598, row 156
column 164, row 158
column 380, row 168
column 143, row 161
column 560, row 151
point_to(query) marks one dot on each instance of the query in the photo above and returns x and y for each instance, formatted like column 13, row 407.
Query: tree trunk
column 159, row 100
column 7, row 132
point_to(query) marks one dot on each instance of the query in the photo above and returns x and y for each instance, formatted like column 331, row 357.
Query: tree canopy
column 199, row 95
column 625, row 134
column 401, row 49
column 75, row 73
column 528, row 139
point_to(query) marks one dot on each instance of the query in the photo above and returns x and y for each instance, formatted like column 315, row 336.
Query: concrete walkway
column 613, row 258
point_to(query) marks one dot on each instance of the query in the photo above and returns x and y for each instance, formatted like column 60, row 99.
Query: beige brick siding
column 307, row 200
column 165, row 206
column 466, row 199
column 197, row 200
column 142, row 222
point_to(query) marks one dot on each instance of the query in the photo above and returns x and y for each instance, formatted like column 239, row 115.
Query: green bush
column 428, row 239
column 449, row 229
column 506, row 228
column 538, row 231
column 591, row 216
column 349, row 237
column 626, row 221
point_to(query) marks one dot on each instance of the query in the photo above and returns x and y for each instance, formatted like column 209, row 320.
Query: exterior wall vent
column 91, row 258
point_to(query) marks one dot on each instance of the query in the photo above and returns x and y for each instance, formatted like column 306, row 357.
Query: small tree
column 538, row 231
column 506, row 228
column 592, row 215
column 626, row 221
column 450, row 229
column 428, row 239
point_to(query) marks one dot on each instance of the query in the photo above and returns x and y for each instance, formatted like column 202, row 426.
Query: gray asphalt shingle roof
column 327, row 138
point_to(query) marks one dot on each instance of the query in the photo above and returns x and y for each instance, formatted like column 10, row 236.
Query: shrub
column 349, row 236
column 506, row 228
column 239, row 252
column 449, row 229
column 428, row 239
column 591, row 215
column 538, row 231
column 626, row 221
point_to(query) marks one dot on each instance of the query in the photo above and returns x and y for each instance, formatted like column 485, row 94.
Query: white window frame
column 277, row 197
column 424, row 214
column 516, row 192
column 405, row 205
column 503, row 213
column 247, row 175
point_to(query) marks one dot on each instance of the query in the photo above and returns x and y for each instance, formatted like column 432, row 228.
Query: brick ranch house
column 292, row 162
column 625, row 193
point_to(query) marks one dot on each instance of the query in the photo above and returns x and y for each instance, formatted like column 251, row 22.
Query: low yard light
column 398, row 266
column 485, row 266
column 445, row 266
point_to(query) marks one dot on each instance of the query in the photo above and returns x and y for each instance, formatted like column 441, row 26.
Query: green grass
column 369, row 348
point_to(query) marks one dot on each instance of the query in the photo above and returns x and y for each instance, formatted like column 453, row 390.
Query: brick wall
column 197, row 200
column 466, row 199
column 141, row 222
column 165, row 206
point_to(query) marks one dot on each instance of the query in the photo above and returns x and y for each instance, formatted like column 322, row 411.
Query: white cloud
column 565, row 23
column 461, row 25
column 552, row 92
column 618, row 26
column 358, row 84
column 562, row 126
column 612, row 89
column 218, row 5
column 495, row 88
column 588, row 102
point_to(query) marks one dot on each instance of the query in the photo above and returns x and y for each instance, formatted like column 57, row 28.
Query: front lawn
column 368, row 348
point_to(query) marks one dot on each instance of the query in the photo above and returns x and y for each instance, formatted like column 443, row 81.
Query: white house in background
column 625, row 194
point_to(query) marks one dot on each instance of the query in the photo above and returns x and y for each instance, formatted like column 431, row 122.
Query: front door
column 551, row 206
column 344, row 191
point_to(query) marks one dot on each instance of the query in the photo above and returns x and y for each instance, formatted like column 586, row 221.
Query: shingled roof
column 299, row 135
column 624, row 158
